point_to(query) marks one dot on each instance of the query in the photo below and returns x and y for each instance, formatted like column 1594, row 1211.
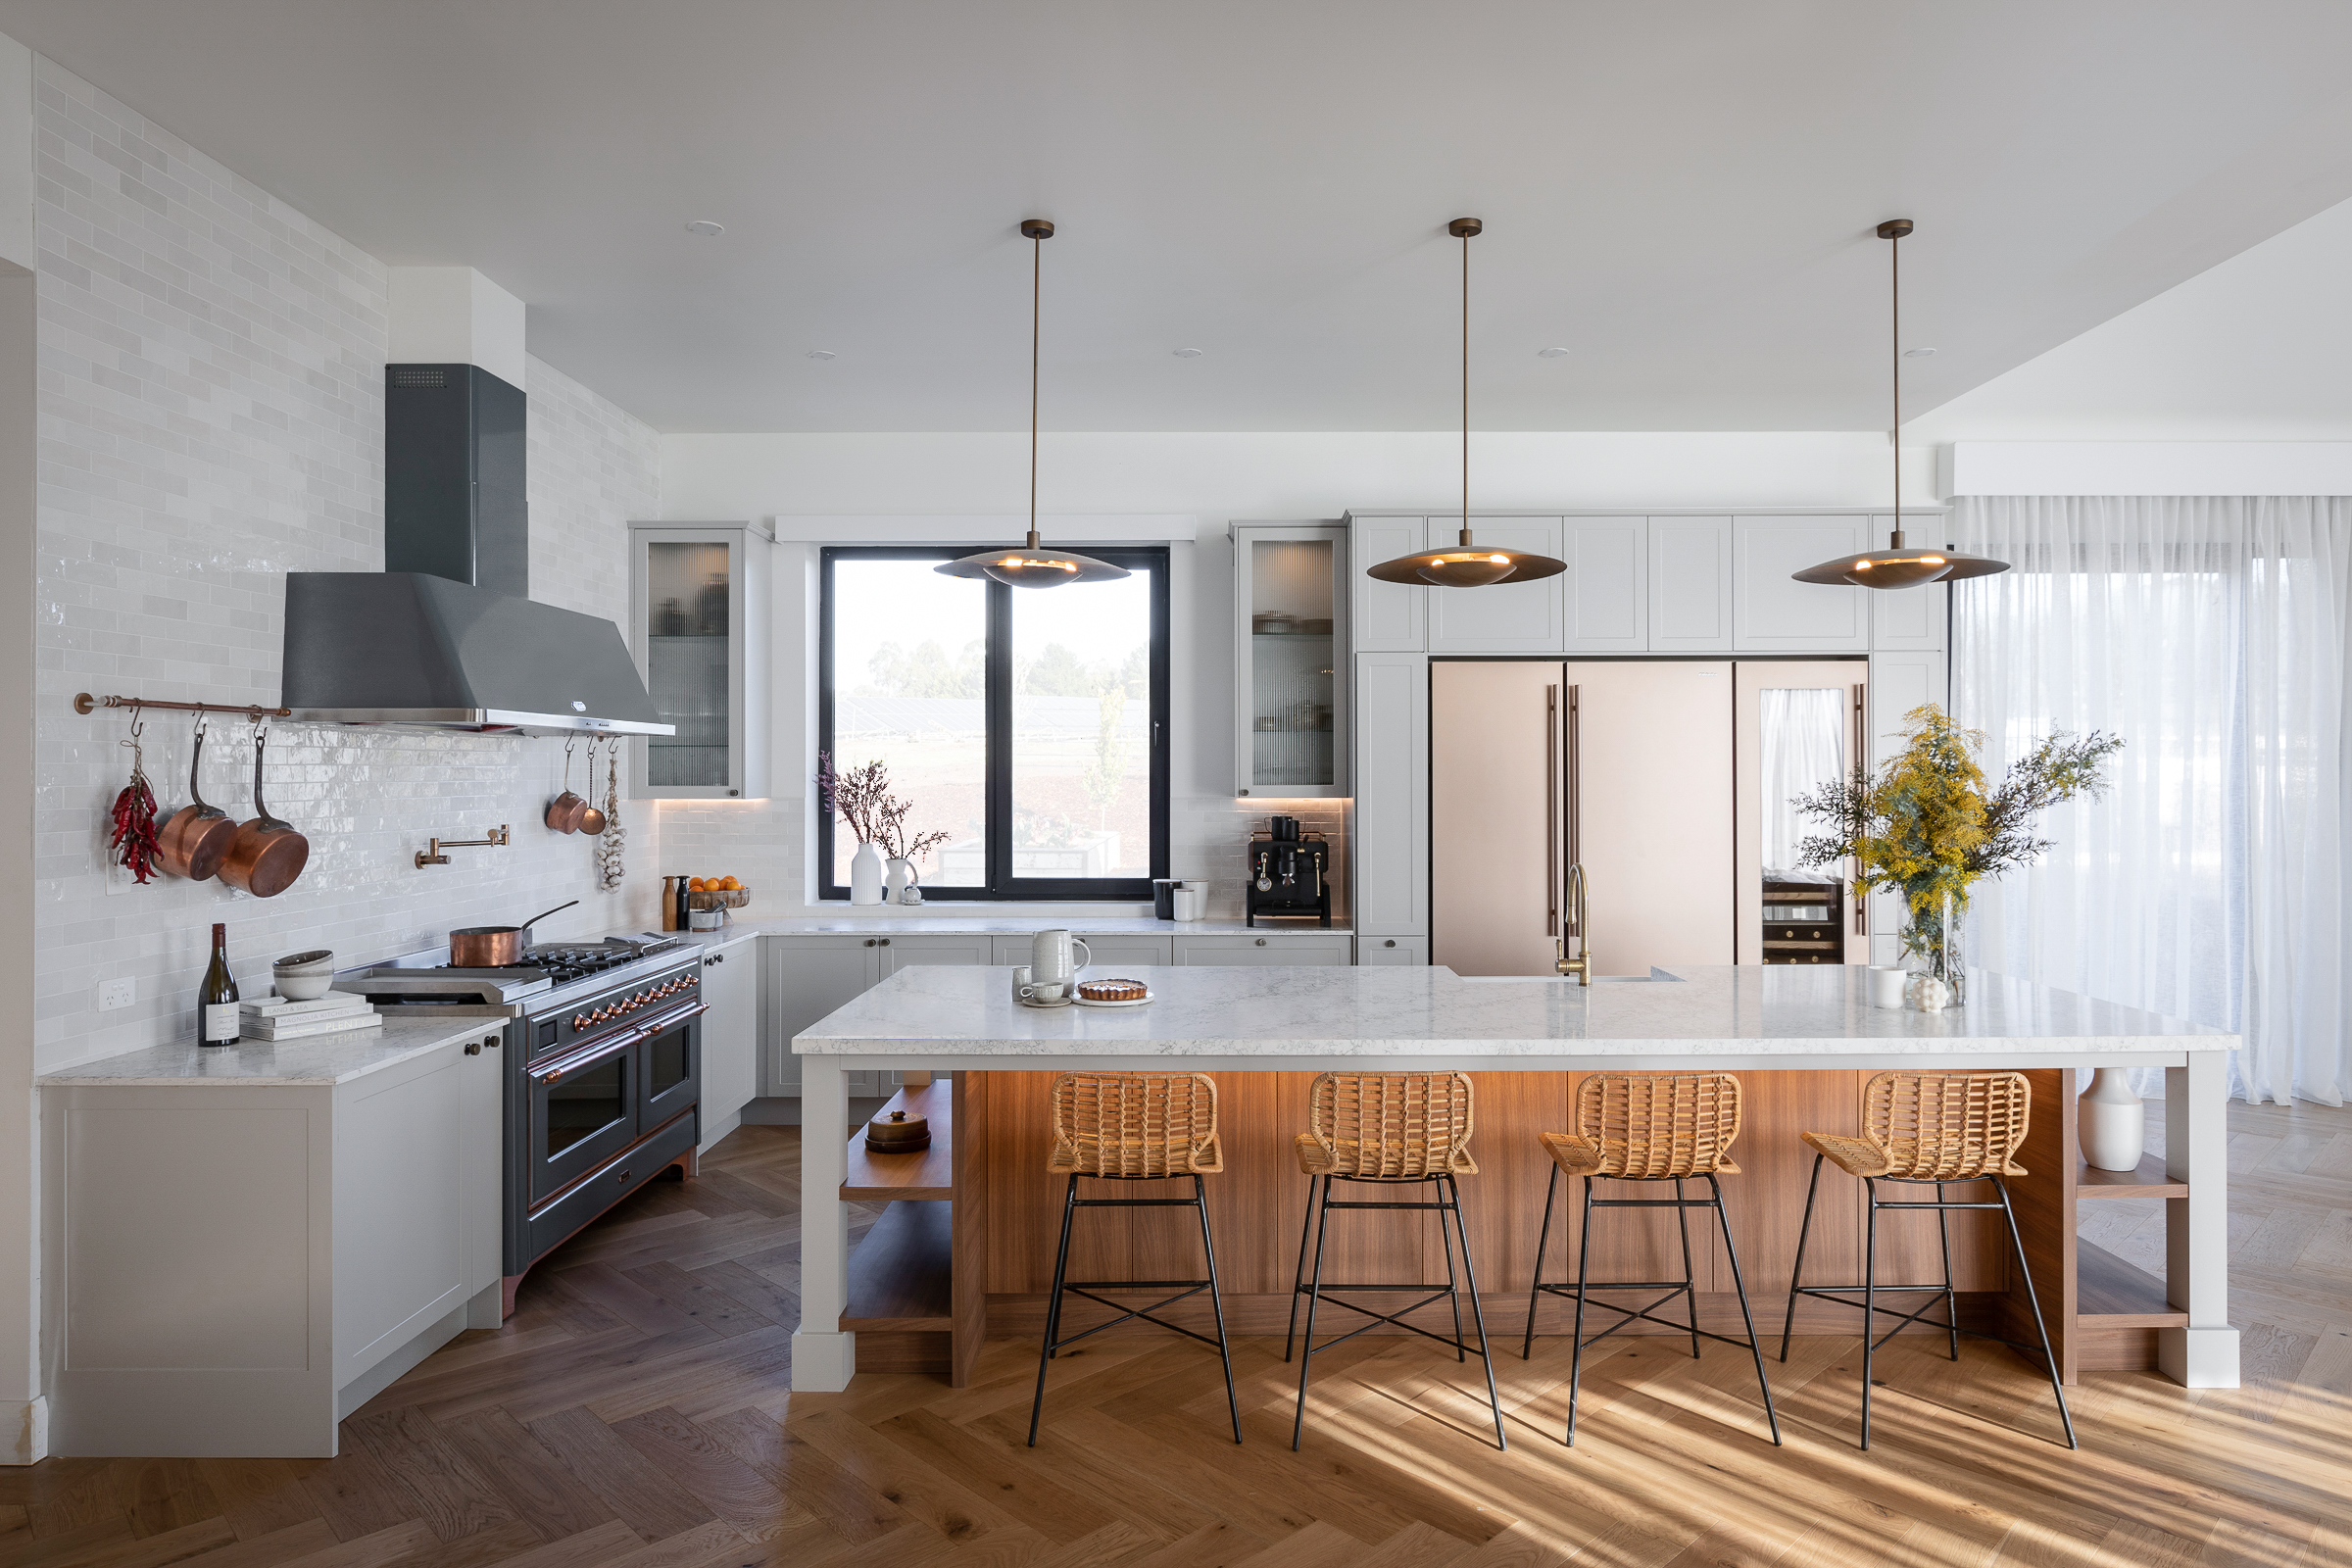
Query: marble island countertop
column 316, row 1062
column 1428, row 1014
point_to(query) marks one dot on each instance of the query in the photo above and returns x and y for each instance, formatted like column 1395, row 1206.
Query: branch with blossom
column 861, row 798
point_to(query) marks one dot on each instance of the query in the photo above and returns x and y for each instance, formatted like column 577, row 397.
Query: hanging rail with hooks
column 84, row 703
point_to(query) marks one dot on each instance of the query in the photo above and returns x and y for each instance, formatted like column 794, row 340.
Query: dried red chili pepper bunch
column 133, row 842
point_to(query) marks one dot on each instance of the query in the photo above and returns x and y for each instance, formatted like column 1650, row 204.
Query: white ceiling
column 1680, row 194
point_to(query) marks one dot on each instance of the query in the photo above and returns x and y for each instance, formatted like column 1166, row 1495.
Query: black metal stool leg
column 1797, row 1270
column 1952, row 1300
column 1216, row 1300
column 1870, row 1299
column 1477, row 1312
column 1749, row 1318
column 1306, row 1353
column 1682, row 1217
column 1453, row 1285
column 1061, row 1267
column 2034, row 1301
column 1298, row 1280
column 1576, row 1355
column 1535, row 1292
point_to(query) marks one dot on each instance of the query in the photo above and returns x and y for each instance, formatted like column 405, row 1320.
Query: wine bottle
column 216, row 1021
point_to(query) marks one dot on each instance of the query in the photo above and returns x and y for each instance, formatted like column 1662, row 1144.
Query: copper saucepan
column 495, row 946
column 266, row 855
column 193, row 840
column 564, row 812
column 592, row 818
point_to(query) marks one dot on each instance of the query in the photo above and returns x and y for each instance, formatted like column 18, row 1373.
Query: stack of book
column 336, row 1012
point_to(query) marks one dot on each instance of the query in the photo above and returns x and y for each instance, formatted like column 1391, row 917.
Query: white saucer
column 1026, row 1002
column 1143, row 1000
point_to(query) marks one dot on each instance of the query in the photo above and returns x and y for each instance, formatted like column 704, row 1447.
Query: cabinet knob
column 885, row 942
column 624, row 1176
column 1261, row 942
column 491, row 1040
column 1392, row 942
column 870, row 942
column 473, row 1048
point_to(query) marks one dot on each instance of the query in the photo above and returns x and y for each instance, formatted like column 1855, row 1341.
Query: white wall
column 2251, row 350
column 210, row 384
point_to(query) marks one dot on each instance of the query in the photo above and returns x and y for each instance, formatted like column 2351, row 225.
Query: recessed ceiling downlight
column 1188, row 354
column 822, row 353
column 707, row 229
column 1918, row 353
column 1555, row 352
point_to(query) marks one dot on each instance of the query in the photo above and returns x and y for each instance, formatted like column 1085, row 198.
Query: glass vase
column 1933, row 938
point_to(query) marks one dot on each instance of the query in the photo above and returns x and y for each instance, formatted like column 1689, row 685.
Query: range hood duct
column 448, row 637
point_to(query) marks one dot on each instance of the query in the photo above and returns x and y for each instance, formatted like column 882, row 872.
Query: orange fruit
column 694, row 884
column 727, row 884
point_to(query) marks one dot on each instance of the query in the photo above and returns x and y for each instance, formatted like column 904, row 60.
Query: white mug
column 1051, row 957
column 1887, row 983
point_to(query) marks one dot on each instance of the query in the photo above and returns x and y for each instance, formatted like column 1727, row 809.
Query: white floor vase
column 2112, row 1122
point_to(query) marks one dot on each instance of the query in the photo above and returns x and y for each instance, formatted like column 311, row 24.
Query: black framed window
column 1029, row 726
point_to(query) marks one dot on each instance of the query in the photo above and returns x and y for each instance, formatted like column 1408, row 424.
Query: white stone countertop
column 1708, row 1012
column 1008, row 925
column 318, row 1062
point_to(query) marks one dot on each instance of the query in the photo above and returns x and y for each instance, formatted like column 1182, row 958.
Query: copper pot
column 564, row 812
column 495, row 946
column 592, row 821
column 266, row 855
column 193, row 840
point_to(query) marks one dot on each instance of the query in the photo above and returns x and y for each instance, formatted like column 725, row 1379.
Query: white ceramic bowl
column 304, row 976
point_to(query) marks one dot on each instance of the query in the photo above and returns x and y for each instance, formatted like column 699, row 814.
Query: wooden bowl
column 719, row 900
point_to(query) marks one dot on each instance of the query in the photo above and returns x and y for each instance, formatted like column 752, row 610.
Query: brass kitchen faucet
column 1577, row 919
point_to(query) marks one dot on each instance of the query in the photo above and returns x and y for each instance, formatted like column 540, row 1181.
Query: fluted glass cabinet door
column 698, row 626
column 1290, row 635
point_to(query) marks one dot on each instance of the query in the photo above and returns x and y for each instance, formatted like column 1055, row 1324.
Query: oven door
column 583, row 1110
column 669, row 1065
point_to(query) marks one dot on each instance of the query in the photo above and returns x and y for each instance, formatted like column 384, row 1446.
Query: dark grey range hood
column 449, row 637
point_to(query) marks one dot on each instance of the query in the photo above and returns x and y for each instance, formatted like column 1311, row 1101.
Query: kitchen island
column 974, row 1253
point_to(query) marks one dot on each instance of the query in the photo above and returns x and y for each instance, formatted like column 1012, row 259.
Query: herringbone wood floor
column 635, row 1412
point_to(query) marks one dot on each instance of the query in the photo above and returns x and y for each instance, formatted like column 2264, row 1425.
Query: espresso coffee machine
column 1288, row 876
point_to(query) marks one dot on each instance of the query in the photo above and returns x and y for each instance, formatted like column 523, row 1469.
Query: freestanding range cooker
column 603, row 1045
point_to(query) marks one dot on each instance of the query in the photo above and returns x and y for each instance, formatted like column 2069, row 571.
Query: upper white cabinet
column 1689, row 585
column 1387, row 617
column 1291, row 604
column 1909, row 619
column 1606, row 587
column 1770, row 612
column 1510, row 618
column 1390, row 852
column 699, row 629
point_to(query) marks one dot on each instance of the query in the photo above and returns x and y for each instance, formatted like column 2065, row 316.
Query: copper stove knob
column 579, row 1020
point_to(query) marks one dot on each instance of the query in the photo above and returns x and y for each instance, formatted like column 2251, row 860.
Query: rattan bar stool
column 1133, row 1127
column 1939, row 1127
column 1387, row 1129
column 1646, row 1127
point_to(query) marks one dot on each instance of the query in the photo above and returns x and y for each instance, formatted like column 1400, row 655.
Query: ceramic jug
column 1051, row 957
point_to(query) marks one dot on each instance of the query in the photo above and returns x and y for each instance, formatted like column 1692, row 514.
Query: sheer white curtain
column 1803, row 748
column 2212, row 882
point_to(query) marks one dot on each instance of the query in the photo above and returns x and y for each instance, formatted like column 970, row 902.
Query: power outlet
column 115, row 994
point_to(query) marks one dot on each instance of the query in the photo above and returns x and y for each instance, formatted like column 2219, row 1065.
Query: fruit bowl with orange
column 716, row 893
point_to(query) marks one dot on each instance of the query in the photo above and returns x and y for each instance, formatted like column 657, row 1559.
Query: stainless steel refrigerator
column 1648, row 773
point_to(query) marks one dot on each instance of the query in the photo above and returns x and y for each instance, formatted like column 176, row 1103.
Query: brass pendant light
column 1467, row 566
column 1899, row 566
column 1032, row 565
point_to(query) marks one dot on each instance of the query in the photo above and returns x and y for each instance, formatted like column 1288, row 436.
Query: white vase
column 865, row 875
column 899, row 882
column 2112, row 1122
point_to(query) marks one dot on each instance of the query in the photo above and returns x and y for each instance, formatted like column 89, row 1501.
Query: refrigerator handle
column 1861, row 760
column 1551, row 811
column 1576, row 820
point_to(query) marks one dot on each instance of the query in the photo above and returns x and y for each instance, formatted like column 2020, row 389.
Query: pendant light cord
column 1037, row 295
column 1895, row 437
column 1465, row 391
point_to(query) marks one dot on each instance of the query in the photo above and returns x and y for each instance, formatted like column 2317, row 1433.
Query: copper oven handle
column 554, row 1070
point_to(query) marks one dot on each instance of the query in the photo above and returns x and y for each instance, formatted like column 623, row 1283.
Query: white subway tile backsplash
column 211, row 416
